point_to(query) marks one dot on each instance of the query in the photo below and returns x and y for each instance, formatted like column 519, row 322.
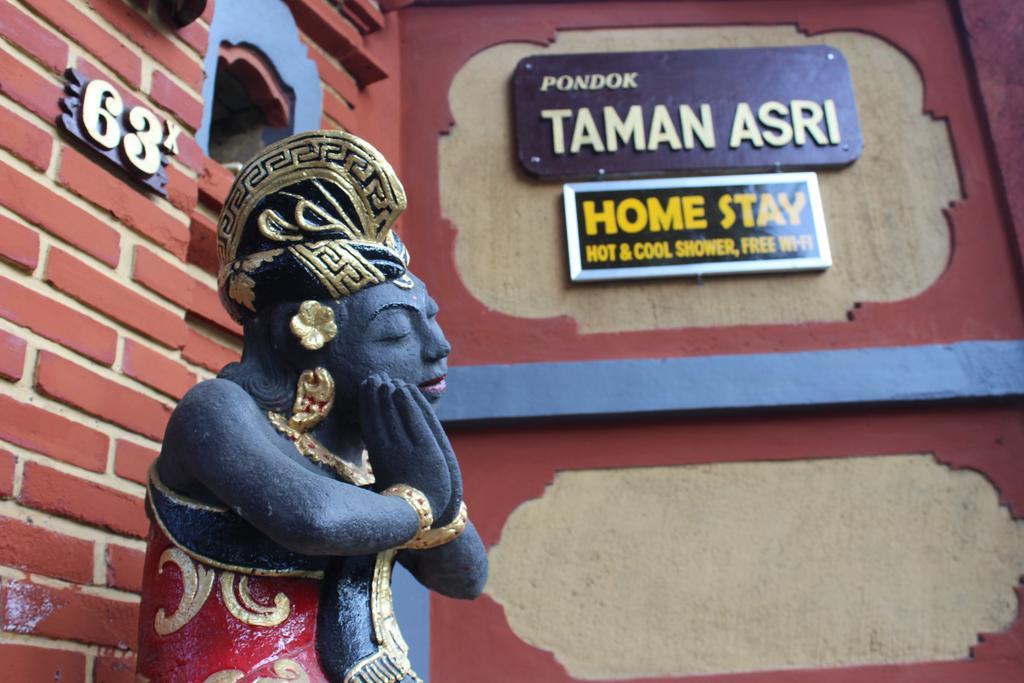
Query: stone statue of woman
column 287, row 487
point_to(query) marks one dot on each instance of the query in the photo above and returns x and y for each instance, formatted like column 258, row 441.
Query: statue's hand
column 449, row 513
column 403, row 446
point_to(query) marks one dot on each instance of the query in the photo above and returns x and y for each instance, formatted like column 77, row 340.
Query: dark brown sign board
column 629, row 229
column 631, row 113
column 130, row 138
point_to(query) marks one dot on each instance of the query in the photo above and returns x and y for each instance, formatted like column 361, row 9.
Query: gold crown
column 351, row 164
column 332, row 200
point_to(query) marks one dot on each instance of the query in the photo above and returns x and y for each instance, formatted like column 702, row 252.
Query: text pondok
column 622, row 113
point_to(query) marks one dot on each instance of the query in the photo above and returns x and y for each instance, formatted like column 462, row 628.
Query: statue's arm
column 217, row 438
column 388, row 407
column 457, row 569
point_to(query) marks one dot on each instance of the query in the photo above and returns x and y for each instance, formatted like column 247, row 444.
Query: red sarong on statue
column 204, row 625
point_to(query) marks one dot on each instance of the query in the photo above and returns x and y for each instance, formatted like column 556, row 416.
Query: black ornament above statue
column 184, row 12
column 287, row 487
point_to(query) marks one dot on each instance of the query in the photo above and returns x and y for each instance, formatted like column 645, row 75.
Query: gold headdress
column 310, row 217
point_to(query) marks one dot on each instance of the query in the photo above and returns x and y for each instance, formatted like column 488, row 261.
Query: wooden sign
column 133, row 139
column 630, row 229
column 622, row 113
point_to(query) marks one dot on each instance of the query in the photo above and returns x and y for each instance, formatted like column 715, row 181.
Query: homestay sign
column 625, row 229
column 621, row 113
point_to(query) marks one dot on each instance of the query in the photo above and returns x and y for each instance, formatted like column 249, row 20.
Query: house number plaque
column 131, row 137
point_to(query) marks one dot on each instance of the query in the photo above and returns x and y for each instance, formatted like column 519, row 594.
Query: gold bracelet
column 420, row 505
column 431, row 538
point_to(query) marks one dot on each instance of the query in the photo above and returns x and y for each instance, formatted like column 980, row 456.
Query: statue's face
column 387, row 329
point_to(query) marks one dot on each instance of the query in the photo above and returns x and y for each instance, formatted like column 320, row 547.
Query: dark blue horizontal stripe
column 967, row 370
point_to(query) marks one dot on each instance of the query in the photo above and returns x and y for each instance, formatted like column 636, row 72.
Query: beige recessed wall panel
column 889, row 237
column 757, row 566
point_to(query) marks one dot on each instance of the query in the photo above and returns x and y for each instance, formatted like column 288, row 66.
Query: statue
column 287, row 487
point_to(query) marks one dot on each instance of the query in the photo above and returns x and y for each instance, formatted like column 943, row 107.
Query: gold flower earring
column 313, row 325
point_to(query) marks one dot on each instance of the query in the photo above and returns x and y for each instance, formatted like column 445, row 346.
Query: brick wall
column 108, row 310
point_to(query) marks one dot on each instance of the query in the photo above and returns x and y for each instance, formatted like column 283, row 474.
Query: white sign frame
column 578, row 274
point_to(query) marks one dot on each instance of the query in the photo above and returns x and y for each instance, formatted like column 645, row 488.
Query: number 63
column 102, row 108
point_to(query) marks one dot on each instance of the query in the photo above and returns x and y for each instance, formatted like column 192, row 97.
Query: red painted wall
column 993, row 29
column 974, row 299
column 978, row 297
column 505, row 467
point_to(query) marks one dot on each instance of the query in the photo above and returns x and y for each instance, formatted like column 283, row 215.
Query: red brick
column 111, row 298
column 69, row 614
column 36, row 41
column 74, row 385
column 190, row 154
column 206, row 304
column 215, row 183
column 132, row 461
column 364, row 15
column 40, row 206
column 7, row 463
column 114, row 670
column 176, row 100
column 123, row 201
column 197, row 36
column 151, row 39
column 336, row 108
column 155, row 370
column 25, row 141
column 27, row 664
column 44, row 432
column 202, row 245
column 181, row 288
column 57, row 322
column 322, row 22
column 96, row 40
column 157, row 275
column 29, row 89
column 206, row 353
column 124, row 568
column 12, row 356
column 182, row 191
column 92, row 70
column 41, row 551
column 19, row 245
column 69, row 496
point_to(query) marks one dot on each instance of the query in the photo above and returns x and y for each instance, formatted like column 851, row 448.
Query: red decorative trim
column 392, row 5
column 976, row 298
column 1008, row 644
column 363, row 14
column 260, row 81
column 324, row 25
column 998, row 53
